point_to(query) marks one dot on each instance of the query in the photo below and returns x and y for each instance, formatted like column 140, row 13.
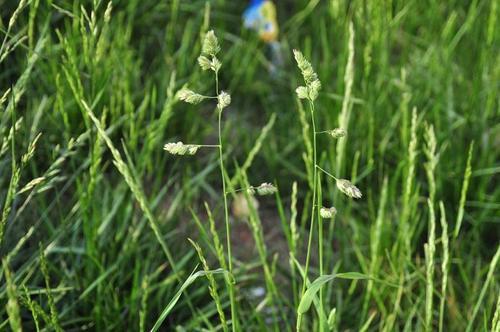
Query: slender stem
column 313, row 206
column 230, row 279
column 7, row 33
column 320, row 252
column 330, row 175
column 240, row 190
column 216, row 84
column 208, row 145
column 228, row 229
column 226, row 213
column 204, row 145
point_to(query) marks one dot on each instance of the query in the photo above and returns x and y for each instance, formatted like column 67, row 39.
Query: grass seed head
column 32, row 184
column 328, row 213
column 337, row 132
column 190, row 96
column 223, row 100
column 4, row 96
column 314, row 88
column 302, row 92
column 181, row 149
column 210, row 44
column 266, row 189
column 348, row 188
column 107, row 13
column 310, row 77
column 204, row 62
column 207, row 64
column 215, row 64
column 305, row 67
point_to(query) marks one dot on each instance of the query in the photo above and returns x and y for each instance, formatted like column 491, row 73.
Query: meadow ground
column 104, row 227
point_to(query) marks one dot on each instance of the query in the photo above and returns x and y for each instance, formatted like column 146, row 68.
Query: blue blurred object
column 261, row 17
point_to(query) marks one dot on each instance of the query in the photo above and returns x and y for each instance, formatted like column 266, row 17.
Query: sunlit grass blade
column 314, row 287
column 463, row 194
column 486, row 285
column 168, row 308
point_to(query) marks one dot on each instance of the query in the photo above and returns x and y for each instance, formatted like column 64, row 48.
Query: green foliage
column 192, row 278
column 315, row 286
column 407, row 111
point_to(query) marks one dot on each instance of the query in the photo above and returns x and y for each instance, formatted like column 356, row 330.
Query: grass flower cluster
column 310, row 92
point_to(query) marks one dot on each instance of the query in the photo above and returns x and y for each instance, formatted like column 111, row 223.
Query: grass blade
column 192, row 278
column 465, row 185
column 314, row 287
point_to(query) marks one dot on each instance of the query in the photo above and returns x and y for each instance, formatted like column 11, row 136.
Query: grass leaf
column 314, row 287
column 192, row 278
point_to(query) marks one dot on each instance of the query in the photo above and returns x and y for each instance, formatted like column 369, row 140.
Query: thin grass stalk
column 430, row 249
column 230, row 283
column 15, row 174
column 203, row 232
column 345, row 113
column 313, row 206
column 404, row 236
column 495, row 321
column 144, row 303
column 367, row 324
column 228, row 227
column 376, row 237
column 14, row 180
column 12, row 21
column 31, row 306
column 212, row 285
column 294, row 237
column 404, row 106
column 12, row 306
column 284, row 221
column 31, row 24
column 463, row 194
column 257, row 233
column 445, row 263
column 219, row 249
column 307, row 155
column 54, row 316
column 486, row 284
column 16, row 169
column 432, row 160
column 320, row 251
column 391, row 318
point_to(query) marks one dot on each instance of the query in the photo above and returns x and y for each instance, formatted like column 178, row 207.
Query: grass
column 102, row 229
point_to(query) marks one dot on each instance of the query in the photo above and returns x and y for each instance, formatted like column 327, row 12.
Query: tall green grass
column 96, row 216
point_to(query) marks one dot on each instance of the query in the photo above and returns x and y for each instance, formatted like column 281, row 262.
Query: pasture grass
column 105, row 226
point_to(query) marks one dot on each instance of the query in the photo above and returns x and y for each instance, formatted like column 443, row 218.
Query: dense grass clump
column 157, row 172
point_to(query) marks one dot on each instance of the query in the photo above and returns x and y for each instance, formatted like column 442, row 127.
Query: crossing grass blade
column 168, row 308
column 463, row 193
column 314, row 287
